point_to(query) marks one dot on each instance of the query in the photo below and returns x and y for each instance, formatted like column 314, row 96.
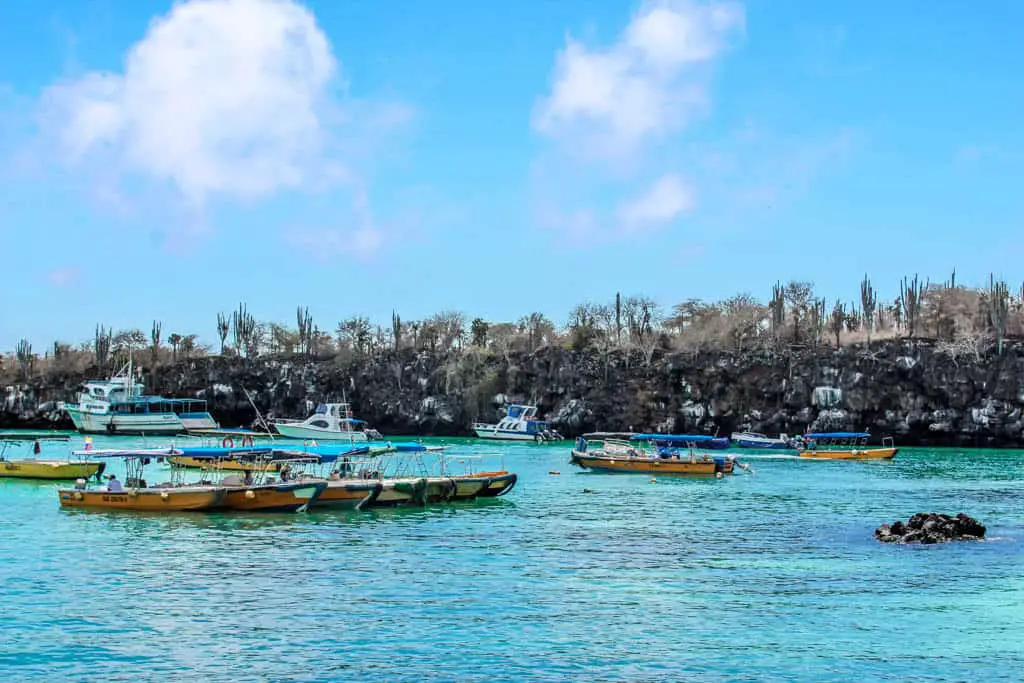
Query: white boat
column 329, row 422
column 117, row 405
column 519, row 424
column 756, row 440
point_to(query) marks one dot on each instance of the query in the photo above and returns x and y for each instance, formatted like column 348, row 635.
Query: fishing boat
column 255, row 489
column 844, row 446
column 519, row 424
column 617, row 456
column 76, row 466
column 760, row 441
column 329, row 422
column 135, row 494
column 117, row 405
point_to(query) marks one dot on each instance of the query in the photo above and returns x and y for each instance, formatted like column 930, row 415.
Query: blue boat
column 756, row 440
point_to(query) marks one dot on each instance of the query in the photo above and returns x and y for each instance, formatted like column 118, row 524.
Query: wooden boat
column 137, row 495
column 75, row 467
column 623, row 457
column 272, row 496
column 844, row 446
column 354, row 494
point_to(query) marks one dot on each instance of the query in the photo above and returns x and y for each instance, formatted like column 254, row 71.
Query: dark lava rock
column 931, row 527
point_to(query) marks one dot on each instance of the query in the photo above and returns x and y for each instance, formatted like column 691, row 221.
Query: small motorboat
column 135, row 494
column 329, row 422
column 618, row 456
column 76, row 466
column 761, row 441
column 844, row 446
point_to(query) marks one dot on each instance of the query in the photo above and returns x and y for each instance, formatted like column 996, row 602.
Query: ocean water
column 763, row 577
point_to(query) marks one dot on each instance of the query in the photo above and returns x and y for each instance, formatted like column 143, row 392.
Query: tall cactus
column 23, row 352
column 396, row 329
column 778, row 309
column 223, row 328
column 154, row 337
column 868, row 304
column 910, row 303
column 838, row 319
column 101, row 345
column 998, row 301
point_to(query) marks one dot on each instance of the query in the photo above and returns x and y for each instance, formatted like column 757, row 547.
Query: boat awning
column 837, row 435
column 129, row 453
column 680, row 438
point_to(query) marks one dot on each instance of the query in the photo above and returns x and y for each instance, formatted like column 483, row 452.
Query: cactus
column 101, row 345
column 910, row 303
column 243, row 327
column 868, row 304
column 154, row 336
column 396, row 329
column 223, row 327
column 838, row 319
column 306, row 331
column 778, row 309
column 23, row 352
column 998, row 301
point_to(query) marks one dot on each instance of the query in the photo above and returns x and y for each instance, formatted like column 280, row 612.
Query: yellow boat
column 844, row 446
column 75, row 467
column 622, row 457
column 169, row 499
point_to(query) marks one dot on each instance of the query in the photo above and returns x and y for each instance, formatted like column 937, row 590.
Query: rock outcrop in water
column 920, row 392
column 931, row 527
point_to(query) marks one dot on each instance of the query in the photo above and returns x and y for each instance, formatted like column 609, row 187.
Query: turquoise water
column 773, row 576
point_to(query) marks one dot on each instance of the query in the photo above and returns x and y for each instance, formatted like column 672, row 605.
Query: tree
column 478, row 332
column 101, row 345
column 799, row 296
column 356, row 333
column 537, row 329
column 583, row 325
column 175, row 341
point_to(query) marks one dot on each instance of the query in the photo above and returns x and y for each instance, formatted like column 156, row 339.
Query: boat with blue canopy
column 843, row 446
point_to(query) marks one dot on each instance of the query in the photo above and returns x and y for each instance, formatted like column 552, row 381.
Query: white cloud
column 231, row 98
column 647, row 84
column 62, row 277
column 667, row 199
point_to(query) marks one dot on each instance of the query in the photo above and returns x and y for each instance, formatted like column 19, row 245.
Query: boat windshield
column 321, row 409
column 515, row 411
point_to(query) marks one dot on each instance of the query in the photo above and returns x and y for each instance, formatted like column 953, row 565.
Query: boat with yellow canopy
column 844, row 446
column 617, row 456
column 49, row 469
column 135, row 494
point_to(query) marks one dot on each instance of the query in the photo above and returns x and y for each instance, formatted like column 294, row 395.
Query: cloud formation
column 649, row 83
column 612, row 104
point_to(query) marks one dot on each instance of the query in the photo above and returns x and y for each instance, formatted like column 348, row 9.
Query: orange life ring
column 228, row 442
column 247, row 441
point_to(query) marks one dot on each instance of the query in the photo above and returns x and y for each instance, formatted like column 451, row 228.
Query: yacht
column 519, row 424
column 329, row 422
column 117, row 405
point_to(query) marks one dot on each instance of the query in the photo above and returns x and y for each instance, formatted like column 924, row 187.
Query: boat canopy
column 129, row 453
column 837, row 435
column 682, row 438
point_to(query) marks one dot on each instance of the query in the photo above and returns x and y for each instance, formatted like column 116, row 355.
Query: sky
column 169, row 160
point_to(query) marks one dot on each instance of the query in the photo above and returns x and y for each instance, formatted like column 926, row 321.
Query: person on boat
column 113, row 485
column 335, row 476
column 285, row 473
column 346, row 465
column 248, row 478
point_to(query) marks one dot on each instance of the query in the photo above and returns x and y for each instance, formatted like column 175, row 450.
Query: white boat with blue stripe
column 519, row 424
column 117, row 406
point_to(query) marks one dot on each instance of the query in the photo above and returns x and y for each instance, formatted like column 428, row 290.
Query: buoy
column 227, row 442
column 654, row 480
column 164, row 495
column 250, row 494
column 78, row 495
column 718, row 475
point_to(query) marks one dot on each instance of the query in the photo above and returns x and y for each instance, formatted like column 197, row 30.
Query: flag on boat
column 88, row 443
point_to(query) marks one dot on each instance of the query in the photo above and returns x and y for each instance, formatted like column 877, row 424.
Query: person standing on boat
column 113, row 485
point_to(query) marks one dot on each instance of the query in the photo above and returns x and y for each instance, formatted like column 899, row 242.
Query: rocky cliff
column 920, row 392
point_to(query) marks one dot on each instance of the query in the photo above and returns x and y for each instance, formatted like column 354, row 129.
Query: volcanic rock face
column 931, row 527
column 916, row 391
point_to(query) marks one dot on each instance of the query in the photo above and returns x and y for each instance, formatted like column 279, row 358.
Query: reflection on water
column 771, row 576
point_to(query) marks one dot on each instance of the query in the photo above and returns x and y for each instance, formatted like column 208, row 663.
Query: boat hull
column 288, row 497
column 506, row 435
column 851, row 454
column 153, row 424
column 49, row 469
column 498, row 483
column 348, row 494
column 295, row 431
column 633, row 465
column 145, row 500
column 740, row 441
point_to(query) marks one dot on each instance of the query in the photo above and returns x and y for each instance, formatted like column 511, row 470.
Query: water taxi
column 135, row 494
column 329, row 422
column 253, row 488
column 623, row 457
column 844, row 446
column 52, row 469
column 117, row 405
column 519, row 424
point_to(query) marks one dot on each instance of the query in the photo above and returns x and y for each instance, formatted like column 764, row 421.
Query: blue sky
column 168, row 161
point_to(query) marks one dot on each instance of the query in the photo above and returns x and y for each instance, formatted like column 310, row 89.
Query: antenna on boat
column 259, row 415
